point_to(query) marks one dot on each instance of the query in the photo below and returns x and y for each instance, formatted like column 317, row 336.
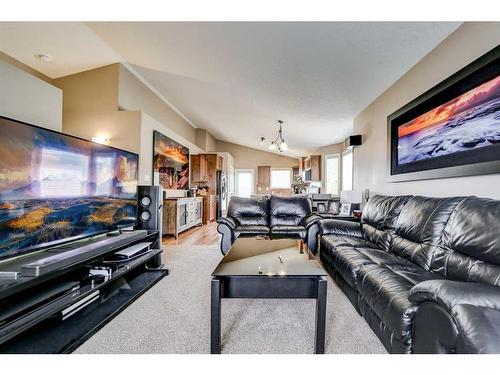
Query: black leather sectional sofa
column 274, row 217
column 423, row 272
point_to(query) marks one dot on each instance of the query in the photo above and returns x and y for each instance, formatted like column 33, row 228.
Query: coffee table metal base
column 282, row 287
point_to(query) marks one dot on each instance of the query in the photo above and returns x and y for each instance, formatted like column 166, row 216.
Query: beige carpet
column 173, row 317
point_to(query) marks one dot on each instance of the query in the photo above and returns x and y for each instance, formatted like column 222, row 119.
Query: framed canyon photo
column 170, row 163
column 451, row 130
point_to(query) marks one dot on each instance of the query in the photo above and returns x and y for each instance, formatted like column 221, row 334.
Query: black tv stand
column 32, row 304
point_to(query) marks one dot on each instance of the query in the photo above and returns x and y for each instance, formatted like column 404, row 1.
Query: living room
column 269, row 185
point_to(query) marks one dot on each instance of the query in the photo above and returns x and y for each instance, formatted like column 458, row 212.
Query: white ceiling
column 74, row 47
column 237, row 79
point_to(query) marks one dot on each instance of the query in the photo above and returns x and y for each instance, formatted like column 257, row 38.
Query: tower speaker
column 150, row 208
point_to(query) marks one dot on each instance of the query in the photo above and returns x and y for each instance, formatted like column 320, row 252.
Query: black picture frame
column 485, row 160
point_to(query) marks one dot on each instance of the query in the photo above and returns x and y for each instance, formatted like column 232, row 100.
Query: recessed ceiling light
column 44, row 57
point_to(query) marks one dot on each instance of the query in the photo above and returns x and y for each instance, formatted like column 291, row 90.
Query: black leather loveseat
column 423, row 272
column 274, row 217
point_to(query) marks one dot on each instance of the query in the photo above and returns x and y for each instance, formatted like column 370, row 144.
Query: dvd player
column 79, row 305
column 37, row 298
column 130, row 252
column 67, row 258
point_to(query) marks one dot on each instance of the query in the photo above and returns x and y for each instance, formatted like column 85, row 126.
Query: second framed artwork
column 451, row 130
column 170, row 162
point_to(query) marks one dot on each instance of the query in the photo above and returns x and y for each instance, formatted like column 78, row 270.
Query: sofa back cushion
column 420, row 226
column 289, row 210
column 249, row 211
column 470, row 248
column 379, row 216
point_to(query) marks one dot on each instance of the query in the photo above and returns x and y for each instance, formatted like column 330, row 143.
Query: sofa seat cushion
column 385, row 288
column 288, row 231
column 249, row 230
column 348, row 260
column 334, row 241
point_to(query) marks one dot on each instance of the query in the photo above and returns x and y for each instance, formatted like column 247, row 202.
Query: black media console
column 53, row 300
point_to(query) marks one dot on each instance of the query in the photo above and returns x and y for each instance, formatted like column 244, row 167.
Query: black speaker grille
column 145, row 215
column 145, row 201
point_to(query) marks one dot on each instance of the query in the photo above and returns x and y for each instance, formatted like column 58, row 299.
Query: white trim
column 338, row 155
column 249, row 170
column 346, row 152
column 156, row 92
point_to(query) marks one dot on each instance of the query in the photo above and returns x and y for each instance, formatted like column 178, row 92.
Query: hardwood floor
column 202, row 235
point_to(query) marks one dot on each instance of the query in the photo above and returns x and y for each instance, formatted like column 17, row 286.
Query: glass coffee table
column 263, row 268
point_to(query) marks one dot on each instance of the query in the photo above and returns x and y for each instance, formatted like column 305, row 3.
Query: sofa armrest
column 479, row 329
column 340, row 227
column 448, row 294
column 229, row 221
column 310, row 220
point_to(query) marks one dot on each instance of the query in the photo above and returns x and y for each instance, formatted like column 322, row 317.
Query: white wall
column 371, row 166
column 27, row 98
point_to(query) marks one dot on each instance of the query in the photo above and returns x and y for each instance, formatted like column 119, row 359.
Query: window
column 244, row 184
column 347, row 170
column 281, row 178
column 332, row 174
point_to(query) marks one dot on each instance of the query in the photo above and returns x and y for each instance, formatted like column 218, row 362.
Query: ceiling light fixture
column 279, row 143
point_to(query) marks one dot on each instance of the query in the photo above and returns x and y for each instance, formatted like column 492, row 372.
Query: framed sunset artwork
column 451, row 130
column 170, row 163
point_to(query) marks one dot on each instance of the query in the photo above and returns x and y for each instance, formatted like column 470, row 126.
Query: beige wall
column 97, row 102
column 336, row 148
column 205, row 140
column 26, row 97
column 250, row 158
column 371, row 166
column 134, row 95
column 91, row 108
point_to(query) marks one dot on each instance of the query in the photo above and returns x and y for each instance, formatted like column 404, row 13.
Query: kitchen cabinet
column 181, row 214
column 209, row 209
column 312, row 168
column 199, row 168
column 219, row 163
column 204, row 169
column 263, row 180
column 295, row 173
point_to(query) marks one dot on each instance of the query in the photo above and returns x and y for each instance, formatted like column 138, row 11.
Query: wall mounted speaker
column 352, row 141
column 150, row 208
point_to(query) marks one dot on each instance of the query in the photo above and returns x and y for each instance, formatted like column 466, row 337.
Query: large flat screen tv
column 453, row 129
column 56, row 188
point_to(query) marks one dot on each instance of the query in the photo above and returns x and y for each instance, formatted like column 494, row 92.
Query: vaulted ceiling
column 237, row 79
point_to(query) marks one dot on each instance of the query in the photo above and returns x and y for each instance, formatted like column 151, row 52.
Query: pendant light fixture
column 279, row 143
